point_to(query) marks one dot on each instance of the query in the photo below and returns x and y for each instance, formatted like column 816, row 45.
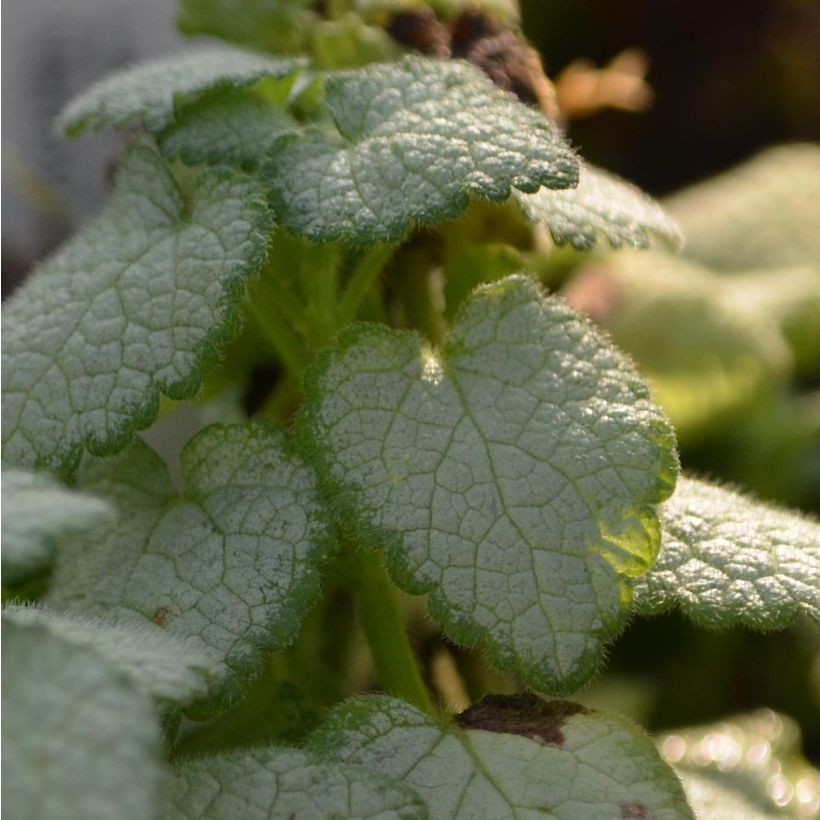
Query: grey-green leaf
column 416, row 139
column 281, row 782
column 509, row 758
column 79, row 741
column 231, row 128
column 602, row 205
column 512, row 475
column 232, row 562
column 727, row 559
column 176, row 671
column 763, row 214
column 151, row 92
column 134, row 305
column 37, row 512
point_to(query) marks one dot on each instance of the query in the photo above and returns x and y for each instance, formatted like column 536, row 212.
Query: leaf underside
column 512, row 476
column 135, row 305
column 281, row 782
column 726, row 559
column 416, row 139
column 79, row 742
column 602, row 205
column 152, row 92
column 232, row 563
column 515, row 757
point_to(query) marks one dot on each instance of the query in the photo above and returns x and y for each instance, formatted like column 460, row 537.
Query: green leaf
column 763, row 214
column 281, row 782
column 512, row 475
column 748, row 766
column 602, row 205
column 267, row 25
column 727, row 559
column 153, row 91
column 37, row 512
column 416, row 139
column 232, row 562
column 173, row 670
column 134, row 305
column 79, row 742
column 235, row 128
column 509, row 757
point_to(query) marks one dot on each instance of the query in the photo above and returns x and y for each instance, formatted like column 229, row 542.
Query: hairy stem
column 361, row 280
column 384, row 628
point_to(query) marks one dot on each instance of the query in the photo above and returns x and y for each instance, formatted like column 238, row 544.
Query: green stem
column 361, row 280
column 284, row 341
column 321, row 273
column 384, row 628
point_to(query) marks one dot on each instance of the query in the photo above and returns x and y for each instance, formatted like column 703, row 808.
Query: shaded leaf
column 281, row 782
column 727, row 559
column 232, row 562
column 134, row 305
column 79, row 741
column 512, row 475
column 416, row 139
column 512, row 757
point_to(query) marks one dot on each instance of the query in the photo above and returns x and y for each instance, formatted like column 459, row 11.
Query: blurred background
column 729, row 333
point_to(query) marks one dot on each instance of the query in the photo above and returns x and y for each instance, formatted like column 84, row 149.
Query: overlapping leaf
column 602, row 205
column 510, row 757
column 152, row 92
column 134, row 305
column 415, row 140
column 512, row 475
column 281, row 782
column 37, row 511
column 727, row 559
column 173, row 670
column 233, row 562
column 79, row 741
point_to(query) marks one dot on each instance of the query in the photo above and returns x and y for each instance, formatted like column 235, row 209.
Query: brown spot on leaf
column 525, row 715
column 633, row 810
column 162, row 616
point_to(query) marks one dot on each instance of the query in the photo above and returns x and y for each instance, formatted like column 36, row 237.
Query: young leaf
column 232, row 562
column 79, row 742
column 726, row 559
column 511, row 476
column 37, row 511
column 602, row 205
column 152, row 92
column 231, row 128
column 416, row 139
column 172, row 670
column 134, row 305
column 509, row 757
column 281, row 782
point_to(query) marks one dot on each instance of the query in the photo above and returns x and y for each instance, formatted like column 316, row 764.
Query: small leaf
column 763, row 214
column 512, row 476
column 416, row 139
column 281, row 782
column 511, row 757
column 152, row 91
column 134, row 305
column 727, row 559
column 79, row 742
column 267, row 25
column 748, row 766
column 231, row 128
column 233, row 562
column 173, row 670
column 37, row 512
column 601, row 206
